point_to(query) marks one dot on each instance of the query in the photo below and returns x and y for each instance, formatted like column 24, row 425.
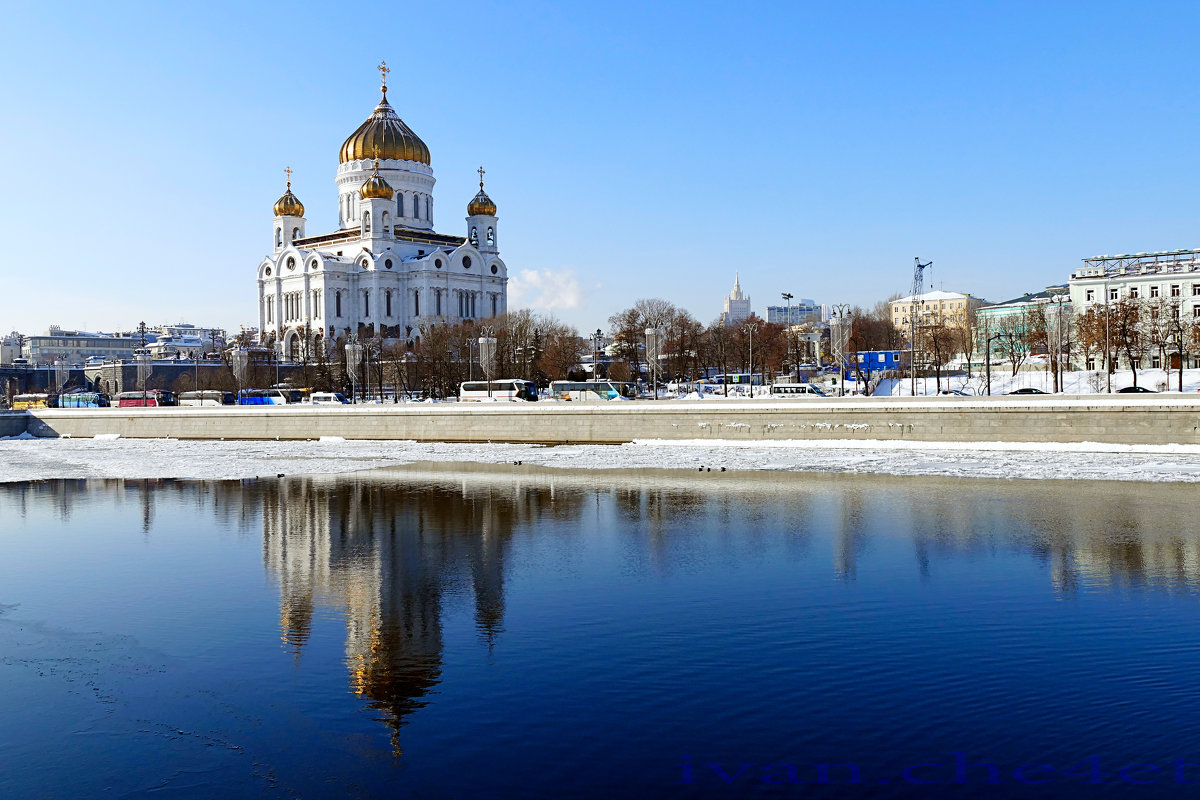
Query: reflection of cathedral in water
column 387, row 554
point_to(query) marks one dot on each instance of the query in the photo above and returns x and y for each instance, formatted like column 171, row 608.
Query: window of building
column 1089, row 295
column 1112, row 294
column 399, row 204
column 337, row 302
column 474, row 236
column 466, row 262
column 387, row 302
column 1176, row 290
column 417, row 302
column 1154, row 362
column 366, row 302
column 366, row 226
column 1133, row 292
column 1154, row 291
column 494, row 300
column 491, row 236
column 437, row 299
column 1091, row 363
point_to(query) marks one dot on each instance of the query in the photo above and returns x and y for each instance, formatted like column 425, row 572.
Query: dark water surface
column 494, row 632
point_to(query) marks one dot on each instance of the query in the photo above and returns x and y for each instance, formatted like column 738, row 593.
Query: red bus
column 148, row 398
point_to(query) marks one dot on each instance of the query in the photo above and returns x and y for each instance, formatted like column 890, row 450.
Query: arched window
column 384, row 223
column 366, row 226
column 491, row 236
column 366, row 302
column 417, row 302
column 279, row 237
column 295, row 234
column 387, row 301
column 399, row 204
column 337, row 299
column 474, row 237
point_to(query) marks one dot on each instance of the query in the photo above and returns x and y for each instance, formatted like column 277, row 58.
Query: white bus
column 208, row 398
column 476, row 391
column 795, row 390
column 591, row 390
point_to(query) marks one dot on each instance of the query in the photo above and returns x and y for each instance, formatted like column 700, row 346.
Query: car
column 1028, row 390
column 1136, row 390
column 958, row 392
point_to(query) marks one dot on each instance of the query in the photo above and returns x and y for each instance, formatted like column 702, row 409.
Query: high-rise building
column 737, row 305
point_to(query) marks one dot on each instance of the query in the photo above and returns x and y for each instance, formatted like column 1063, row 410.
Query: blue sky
column 634, row 149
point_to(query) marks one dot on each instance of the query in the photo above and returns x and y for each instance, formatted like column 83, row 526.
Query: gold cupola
column 376, row 187
column 289, row 205
column 481, row 204
column 384, row 132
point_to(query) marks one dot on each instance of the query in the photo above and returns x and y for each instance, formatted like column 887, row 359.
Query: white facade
column 385, row 271
column 737, row 305
column 1172, row 277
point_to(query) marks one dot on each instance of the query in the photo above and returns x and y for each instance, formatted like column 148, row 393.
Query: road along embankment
column 1114, row 419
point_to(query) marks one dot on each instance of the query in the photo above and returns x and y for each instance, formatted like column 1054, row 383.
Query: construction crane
column 918, row 286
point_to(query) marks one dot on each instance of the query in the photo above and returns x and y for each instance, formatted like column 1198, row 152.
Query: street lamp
column 988, row 355
column 839, row 336
column 751, row 329
column 597, row 338
column 354, row 352
column 787, row 298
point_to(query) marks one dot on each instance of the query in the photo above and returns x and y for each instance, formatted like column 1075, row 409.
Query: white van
column 328, row 399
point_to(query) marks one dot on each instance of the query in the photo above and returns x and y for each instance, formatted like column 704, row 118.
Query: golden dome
column 384, row 132
column 481, row 204
column 289, row 205
column 376, row 186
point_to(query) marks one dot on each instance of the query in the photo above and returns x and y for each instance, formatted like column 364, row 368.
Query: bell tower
column 289, row 217
column 482, row 222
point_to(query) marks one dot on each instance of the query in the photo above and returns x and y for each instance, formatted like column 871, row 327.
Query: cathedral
column 384, row 272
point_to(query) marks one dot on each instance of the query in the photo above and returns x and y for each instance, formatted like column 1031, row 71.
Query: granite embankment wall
column 1114, row 419
column 13, row 423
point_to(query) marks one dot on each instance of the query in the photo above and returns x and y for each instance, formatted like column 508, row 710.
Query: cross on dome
column 383, row 72
column 288, row 170
column 480, row 171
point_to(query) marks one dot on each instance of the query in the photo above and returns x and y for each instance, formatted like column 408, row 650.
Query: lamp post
column 597, row 337
column 487, row 354
column 839, row 336
column 353, row 357
column 750, row 329
column 988, row 355
column 787, row 298
column 1107, row 345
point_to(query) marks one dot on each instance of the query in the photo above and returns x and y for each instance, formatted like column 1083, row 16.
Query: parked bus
column 83, row 400
column 147, row 399
column 22, row 402
column 500, row 390
column 591, row 390
column 263, row 397
column 208, row 398
column 795, row 390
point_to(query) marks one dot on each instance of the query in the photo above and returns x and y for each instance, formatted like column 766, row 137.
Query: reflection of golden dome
column 289, row 205
column 376, row 186
column 384, row 132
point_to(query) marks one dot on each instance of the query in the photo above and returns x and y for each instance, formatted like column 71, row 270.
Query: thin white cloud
column 551, row 290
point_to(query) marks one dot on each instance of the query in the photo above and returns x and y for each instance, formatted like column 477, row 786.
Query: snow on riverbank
column 42, row 459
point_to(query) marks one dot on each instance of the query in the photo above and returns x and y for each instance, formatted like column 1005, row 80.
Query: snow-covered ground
column 40, row 459
column 1032, row 376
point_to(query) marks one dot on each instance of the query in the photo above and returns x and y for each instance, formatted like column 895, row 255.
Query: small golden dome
column 384, row 132
column 289, row 205
column 481, row 204
column 376, row 187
